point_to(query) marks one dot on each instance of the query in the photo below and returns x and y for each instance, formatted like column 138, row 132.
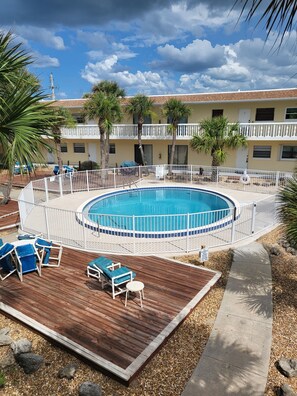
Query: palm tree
column 277, row 15
column 287, row 210
column 217, row 135
column 175, row 110
column 24, row 119
column 62, row 118
column 104, row 104
column 107, row 109
column 140, row 106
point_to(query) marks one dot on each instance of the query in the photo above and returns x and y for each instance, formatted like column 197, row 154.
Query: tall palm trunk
column 139, row 134
column 215, row 163
column 102, row 145
column 57, row 139
column 174, row 129
column 6, row 189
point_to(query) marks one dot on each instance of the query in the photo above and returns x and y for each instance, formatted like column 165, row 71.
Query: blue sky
column 148, row 46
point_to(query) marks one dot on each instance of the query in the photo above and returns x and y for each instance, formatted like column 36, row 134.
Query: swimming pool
column 158, row 212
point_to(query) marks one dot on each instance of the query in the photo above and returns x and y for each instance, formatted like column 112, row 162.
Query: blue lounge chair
column 7, row 264
column 95, row 267
column 110, row 273
column 28, row 260
column 50, row 254
column 117, row 279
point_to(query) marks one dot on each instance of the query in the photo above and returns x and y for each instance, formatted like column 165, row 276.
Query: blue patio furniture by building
column 128, row 168
column 28, row 260
column 66, row 169
column 7, row 264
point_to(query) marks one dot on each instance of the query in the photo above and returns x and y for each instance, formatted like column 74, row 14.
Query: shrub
column 89, row 165
column 2, row 380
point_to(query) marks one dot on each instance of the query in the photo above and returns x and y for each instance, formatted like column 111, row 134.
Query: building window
column 79, row 147
column 112, row 148
column 64, row 148
column 291, row 113
column 180, row 154
column 265, row 114
column 289, row 152
column 79, row 118
column 217, row 113
column 262, row 152
column 147, row 119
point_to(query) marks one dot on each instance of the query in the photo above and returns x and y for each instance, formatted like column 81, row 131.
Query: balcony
column 252, row 131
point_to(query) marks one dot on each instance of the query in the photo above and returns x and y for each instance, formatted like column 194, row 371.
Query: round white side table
column 134, row 287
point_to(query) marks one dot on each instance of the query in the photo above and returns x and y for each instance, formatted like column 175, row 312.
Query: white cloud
column 44, row 36
column 42, row 61
column 147, row 81
column 198, row 55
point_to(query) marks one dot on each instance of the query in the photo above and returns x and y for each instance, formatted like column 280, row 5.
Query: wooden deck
column 9, row 215
column 71, row 308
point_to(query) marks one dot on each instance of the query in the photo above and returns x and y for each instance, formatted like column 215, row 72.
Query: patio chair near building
column 7, row 264
column 50, row 253
column 109, row 273
column 27, row 260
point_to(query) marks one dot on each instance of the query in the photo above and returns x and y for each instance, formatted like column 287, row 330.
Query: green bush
column 2, row 380
column 89, row 165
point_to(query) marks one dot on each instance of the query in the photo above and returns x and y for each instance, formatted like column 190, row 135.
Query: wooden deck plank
column 73, row 307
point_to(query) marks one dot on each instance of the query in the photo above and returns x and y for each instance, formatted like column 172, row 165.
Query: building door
column 148, row 154
column 92, row 147
column 244, row 117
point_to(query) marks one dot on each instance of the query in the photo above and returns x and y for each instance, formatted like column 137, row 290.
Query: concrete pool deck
column 64, row 226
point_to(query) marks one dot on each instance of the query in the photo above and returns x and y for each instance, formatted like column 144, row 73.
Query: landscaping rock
column 21, row 346
column 29, row 362
column 68, row 371
column 287, row 367
column 286, row 390
column 7, row 360
column 274, row 250
column 291, row 251
column 5, row 339
column 90, row 389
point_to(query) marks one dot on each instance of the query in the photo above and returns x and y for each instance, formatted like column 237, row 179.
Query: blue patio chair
column 95, row 267
column 28, row 260
column 117, row 279
column 7, row 264
column 50, row 254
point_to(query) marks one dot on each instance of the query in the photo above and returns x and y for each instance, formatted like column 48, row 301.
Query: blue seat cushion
column 5, row 262
column 119, row 271
column 41, row 243
column 101, row 262
column 27, row 257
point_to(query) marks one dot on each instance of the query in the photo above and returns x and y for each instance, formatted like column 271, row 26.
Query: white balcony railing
column 253, row 131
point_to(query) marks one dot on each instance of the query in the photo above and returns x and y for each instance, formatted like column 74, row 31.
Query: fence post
column 84, row 230
column 46, row 189
column 233, row 226
column 191, row 173
column 46, row 222
column 218, row 170
column 60, row 185
column 133, row 226
column 87, row 179
column 277, row 179
column 188, row 230
column 114, row 178
column 70, row 181
column 253, row 218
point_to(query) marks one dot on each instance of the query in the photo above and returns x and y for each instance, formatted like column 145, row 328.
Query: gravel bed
column 168, row 372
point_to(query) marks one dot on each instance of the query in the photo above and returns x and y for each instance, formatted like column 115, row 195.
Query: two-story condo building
column 267, row 118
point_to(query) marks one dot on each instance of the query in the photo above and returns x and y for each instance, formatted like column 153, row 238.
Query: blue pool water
column 157, row 210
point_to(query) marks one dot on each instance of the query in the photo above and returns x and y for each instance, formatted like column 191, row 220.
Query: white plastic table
column 135, row 287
